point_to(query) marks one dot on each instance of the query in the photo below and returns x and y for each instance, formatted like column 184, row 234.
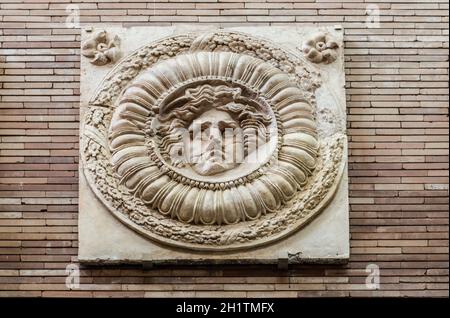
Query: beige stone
column 216, row 146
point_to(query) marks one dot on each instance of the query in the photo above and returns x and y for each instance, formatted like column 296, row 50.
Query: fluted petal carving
column 151, row 93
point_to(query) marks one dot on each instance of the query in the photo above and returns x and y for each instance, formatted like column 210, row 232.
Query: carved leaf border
column 128, row 68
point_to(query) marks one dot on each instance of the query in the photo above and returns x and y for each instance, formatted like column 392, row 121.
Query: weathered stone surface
column 100, row 48
column 148, row 192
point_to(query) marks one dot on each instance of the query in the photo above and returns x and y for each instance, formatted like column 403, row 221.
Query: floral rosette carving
column 100, row 49
column 320, row 48
column 126, row 163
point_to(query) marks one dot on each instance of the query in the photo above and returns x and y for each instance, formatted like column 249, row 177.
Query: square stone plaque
column 206, row 145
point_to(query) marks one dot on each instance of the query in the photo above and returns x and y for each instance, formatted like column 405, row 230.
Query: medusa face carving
column 213, row 129
column 214, row 142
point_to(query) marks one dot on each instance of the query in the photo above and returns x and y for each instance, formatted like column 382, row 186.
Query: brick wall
column 397, row 99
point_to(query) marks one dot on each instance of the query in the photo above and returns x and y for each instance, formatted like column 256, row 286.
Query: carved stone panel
column 215, row 145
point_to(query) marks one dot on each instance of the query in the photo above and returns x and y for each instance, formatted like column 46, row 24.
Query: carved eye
column 196, row 134
column 205, row 134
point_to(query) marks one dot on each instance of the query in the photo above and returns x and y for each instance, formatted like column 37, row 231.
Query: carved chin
column 211, row 167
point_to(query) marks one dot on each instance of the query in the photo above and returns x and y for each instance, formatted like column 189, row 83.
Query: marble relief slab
column 212, row 145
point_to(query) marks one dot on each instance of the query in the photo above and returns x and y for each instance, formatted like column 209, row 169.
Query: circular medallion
column 209, row 142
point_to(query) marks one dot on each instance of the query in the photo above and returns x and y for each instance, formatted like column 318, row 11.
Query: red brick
column 397, row 100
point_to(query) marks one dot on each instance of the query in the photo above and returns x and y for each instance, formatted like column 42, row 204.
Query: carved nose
column 215, row 134
column 215, row 141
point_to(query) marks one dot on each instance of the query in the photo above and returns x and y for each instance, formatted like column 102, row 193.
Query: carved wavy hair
column 195, row 101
